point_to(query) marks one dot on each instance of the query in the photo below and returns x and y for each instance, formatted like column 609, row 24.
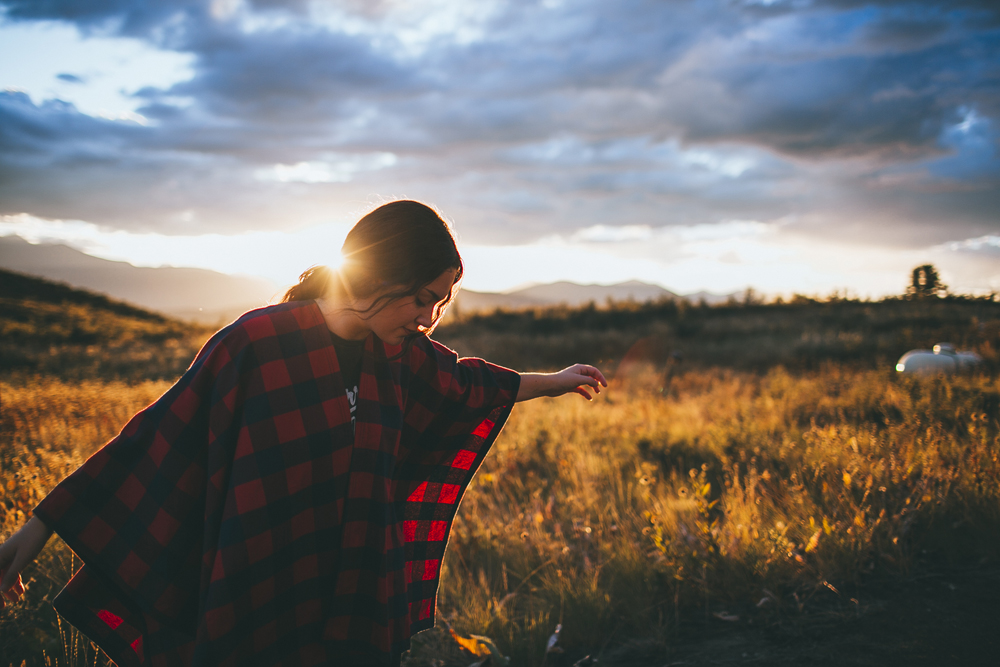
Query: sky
column 792, row 146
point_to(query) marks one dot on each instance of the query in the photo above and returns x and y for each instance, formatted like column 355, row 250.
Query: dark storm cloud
column 47, row 151
column 288, row 74
column 905, row 33
column 58, row 163
column 584, row 110
column 126, row 17
column 858, row 84
column 849, row 106
column 29, row 134
column 293, row 5
column 985, row 7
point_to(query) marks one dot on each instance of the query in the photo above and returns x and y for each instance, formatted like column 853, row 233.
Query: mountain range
column 199, row 295
column 213, row 298
column 574, row 295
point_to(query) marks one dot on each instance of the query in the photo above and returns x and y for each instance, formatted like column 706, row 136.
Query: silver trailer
column 942, row 359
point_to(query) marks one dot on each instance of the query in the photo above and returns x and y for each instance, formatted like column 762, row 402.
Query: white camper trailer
column 942, row 359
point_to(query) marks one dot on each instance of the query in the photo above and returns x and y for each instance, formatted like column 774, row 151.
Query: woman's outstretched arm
column 579, row 378
column 18, row 552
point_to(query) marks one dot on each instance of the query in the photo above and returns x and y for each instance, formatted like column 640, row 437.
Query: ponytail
column 313, row 284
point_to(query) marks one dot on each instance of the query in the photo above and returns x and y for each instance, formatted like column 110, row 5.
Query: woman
column 288, row 501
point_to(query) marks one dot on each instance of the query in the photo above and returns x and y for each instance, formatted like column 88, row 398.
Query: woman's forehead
column 441, row 286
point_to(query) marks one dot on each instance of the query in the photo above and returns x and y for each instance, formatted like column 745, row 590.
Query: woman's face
column 411, row 314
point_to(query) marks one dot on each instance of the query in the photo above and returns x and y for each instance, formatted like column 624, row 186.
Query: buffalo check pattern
column 238, row 520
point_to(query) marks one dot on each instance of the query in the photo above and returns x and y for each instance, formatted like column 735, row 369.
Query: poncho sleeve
column 454, row 410
column 447, row 393
column 135, row 512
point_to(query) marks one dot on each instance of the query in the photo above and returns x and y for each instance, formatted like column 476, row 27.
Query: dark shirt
column 349, row 354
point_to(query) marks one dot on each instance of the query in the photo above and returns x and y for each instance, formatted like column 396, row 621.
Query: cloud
column 125, row 17
column 985, row 244
column 816, row 86
column 609, row 234
column 868, row 122
column 292, row 74
column 60, row 164
column 337, row 169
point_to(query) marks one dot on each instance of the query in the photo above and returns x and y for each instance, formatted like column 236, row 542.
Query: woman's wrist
column 39, row 528
column 533, row 385
column 579, row 378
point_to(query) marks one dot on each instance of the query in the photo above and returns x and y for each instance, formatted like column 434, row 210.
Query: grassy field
column 740, row 496
column 703, row 490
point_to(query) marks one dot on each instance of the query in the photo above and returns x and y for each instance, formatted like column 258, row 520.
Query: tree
column 926, row 283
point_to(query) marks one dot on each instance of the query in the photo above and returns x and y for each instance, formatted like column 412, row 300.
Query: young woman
column 289, row 500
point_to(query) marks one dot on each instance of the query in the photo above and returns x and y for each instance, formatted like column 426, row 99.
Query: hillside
column 52, row 328
column 804, row 334
column 197, row 295
column 55, row 329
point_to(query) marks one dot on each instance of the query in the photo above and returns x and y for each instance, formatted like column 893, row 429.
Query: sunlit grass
column 732, row 493
column 739, row 495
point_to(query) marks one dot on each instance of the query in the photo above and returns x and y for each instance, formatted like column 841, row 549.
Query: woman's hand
column 578, row 378
column 18, row 552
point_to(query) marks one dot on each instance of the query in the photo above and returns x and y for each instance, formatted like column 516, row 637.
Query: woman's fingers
column 582, row 377
column 11, row 586
column 596, row 374
column 579, row 379
column 593, row 377
column 13, row 593
column 583, row 389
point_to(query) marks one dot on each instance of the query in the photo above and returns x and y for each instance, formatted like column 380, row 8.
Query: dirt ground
column 948, row 618
column 936, row 618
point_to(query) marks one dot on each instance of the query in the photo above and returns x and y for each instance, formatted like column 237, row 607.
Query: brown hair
column 399, row 247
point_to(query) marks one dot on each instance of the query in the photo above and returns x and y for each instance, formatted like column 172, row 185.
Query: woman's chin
column 398, row 336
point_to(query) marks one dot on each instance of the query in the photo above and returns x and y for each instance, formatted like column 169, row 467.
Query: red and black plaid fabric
column 239, row 521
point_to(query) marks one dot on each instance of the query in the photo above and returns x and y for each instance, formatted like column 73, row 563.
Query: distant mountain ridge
column 213, row 298
column 575, row 295
column 199, row 295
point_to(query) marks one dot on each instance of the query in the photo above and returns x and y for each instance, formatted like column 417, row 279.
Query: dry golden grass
column 737, row 493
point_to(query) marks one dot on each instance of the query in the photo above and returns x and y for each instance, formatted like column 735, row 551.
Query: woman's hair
column 399, row 247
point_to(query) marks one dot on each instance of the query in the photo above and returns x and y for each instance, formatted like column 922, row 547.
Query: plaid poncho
column 238, row 521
